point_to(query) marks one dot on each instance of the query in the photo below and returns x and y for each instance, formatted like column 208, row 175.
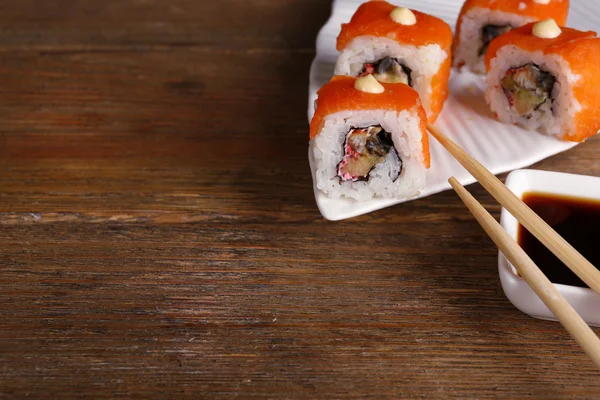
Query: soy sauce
column 577, row 220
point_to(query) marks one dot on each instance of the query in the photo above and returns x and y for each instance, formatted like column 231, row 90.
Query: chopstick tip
column 453, row 182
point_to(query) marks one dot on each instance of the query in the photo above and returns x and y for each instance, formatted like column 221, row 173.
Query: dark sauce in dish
column 577, row 220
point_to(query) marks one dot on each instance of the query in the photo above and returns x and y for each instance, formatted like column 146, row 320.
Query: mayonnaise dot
column 403, row 16
column 369, row 84
column 546, row 29
column 542, row 1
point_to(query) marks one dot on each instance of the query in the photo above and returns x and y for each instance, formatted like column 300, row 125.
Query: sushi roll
column 398, row 45
column 368, row 139
column 481, row 21
column 543, row 77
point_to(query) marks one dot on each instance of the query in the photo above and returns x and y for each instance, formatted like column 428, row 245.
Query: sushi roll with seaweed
column 368, row 139
column 543, row 77
column 481, row 21
column 398, row 45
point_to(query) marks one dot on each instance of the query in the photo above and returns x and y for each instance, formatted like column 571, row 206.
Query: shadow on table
column 280, row 181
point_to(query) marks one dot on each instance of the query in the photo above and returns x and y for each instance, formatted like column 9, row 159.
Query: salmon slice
column 556, row 9
column 373, row 19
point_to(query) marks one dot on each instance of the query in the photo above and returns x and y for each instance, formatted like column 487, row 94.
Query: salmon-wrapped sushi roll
column 545, row 78
column 398, row 45
column 369, row 139
column 481, row 21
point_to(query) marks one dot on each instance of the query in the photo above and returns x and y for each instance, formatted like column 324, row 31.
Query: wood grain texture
column 159, row 238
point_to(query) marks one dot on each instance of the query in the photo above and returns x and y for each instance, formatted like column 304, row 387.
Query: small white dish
column 585, row 301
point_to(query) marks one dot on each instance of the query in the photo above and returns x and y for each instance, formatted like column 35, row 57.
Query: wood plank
column 159, row 236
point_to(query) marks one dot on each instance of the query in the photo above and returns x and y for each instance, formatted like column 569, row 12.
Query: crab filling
column 491, row 32
column 388, row 70
column 364, row 149
column 527, row 88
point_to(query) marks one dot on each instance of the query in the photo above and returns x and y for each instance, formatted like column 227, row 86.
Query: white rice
column 423, row 61
column 328, row 150
column 470, row 41
column 552, row 118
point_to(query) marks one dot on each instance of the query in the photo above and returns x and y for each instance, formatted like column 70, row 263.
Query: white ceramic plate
column 466, row 118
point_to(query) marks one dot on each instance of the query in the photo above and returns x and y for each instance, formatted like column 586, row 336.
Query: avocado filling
column 491, row 32
column 527, row 88
column 388, row 70
column 364, row 149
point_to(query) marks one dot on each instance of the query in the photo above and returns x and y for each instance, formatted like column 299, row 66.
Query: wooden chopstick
column 525, row 215
column 567, row 316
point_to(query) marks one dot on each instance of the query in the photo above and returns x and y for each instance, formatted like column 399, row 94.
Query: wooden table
column 159, row 236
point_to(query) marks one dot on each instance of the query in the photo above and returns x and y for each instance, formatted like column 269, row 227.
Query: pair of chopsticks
column 534, row 277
